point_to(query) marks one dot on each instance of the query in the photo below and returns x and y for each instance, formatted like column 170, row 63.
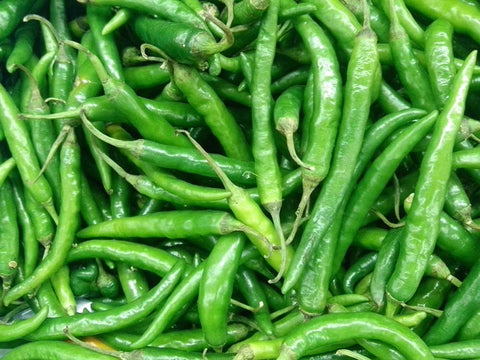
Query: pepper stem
column 96, row 62
column 244, row 306
column 230, row 186
column 53, row 150
column 293, row 152
column 352, row 354
column 226, row 41
column 387, row 222
column 275, row 213
column 118, row 354
column 308, row 188
column 132, row 145
column 45, row 22
column 163, row 59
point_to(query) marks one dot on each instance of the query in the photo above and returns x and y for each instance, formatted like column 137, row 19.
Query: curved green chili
column 331, row 328
column 216, row 288
column 127, row 103
column 188, row 339
column 141, row 256
column 251, row 289
column 358, row 270
column 216, row 115
column 439, row 59
column 173, row 10
column 23, row 48
column 105, row 45
column 412, row 74
column 9, row 237
column 360, row 77
column 21, row 328
column 182, row 42
column 418, row 241
column 463, row 16
column 54, row 350
column 183, row 159
column 114, row 319
column 458, row 309
column 324, row 120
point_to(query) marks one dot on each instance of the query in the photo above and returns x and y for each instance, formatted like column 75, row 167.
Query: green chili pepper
column 9, row 237
column 61, row 284
column 54, row 350
column 23, row 48
column 406, row 19
column 5, row 168
column 29, row 240
column 128, row 104
column 190, row 340
column 462, row 15
column 98, row 323
column 105, row 45
column 172, row 10
column 462, row 304
column 362, row 67
column 339, row 20
column 67, row 224
column 439, row 58
column 315, row 280
column 332, row 328
column 380, row 350
column 21, row 147
column 322, row 127
column 412, row 74
column 358, row 270
column 418, row 242
column 171, row 224
column 286, row 115
column 176, row 304
column 12, row 13
column 250, row 213
column 169, row 156
column 468, row 349
column 390, row 100
column 256, row 297
column 63, row 69
column 430, row 295
column 383, row 268
column 21, row 328
column 47, row 298
column 216, row 115
column 378, row 132
column 378, row 19
column 43, row 132
column 183, row 42
column 376, row 178
column 216, row 288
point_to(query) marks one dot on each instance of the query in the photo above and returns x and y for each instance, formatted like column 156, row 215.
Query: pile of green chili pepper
column 239, row 179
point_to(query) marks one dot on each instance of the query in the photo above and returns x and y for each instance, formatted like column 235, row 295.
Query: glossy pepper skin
column 343, row 326
column 12, row 13
column 97, row 323
column 418, row 242
column 463, row 16
column 189, row 166
column 361, row 74
column 216, row 288
column 67, row 224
